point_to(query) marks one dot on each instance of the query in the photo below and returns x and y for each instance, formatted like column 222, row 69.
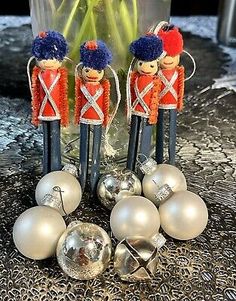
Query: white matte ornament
column 184, row 215
column 37, row 231
column 134, row 216
column 62, row 191
column 160, row 181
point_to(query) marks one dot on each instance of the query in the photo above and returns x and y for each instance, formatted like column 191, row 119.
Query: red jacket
column 44, row 110
column 86, row 113
column 172, row 98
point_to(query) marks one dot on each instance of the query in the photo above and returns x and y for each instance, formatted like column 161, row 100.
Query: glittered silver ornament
column 113, row 186
column 84, row 251
column 161, row 181
column 134, row 215
column 184, row 215
column 135, row 259
column 59, row 190
column 71, row 168
column 37, row 231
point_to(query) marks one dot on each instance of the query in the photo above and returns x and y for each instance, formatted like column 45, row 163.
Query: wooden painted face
column 147, row 68
column 92, row 75
column 51, row 64
column 169, row 62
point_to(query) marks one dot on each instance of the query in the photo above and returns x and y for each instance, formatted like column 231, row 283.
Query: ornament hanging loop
column 194, row 65
column 141, row 156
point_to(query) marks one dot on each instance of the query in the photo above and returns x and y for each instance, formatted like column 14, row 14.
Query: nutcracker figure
column 92, row 104
column 48, row 87
column 143, row 87
column 172, row 89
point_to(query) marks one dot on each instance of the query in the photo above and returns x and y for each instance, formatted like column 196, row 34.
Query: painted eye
column 152, row 66
column 86, row 70
column 140, row 63
column 99, row 71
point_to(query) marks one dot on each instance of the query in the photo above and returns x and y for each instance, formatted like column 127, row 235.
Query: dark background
column 179, row 7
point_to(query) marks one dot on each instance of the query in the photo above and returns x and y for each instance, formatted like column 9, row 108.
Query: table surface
column 199, row 269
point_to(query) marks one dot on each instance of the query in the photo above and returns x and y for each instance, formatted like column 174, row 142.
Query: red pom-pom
column 172, row 41
column 91, row 45
column 42, row 34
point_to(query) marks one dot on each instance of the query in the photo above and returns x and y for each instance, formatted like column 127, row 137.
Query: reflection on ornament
column 134, row 215
column 113, row 186
column 184, row 215
column 135, row 259
column 36, row 232
column 84, row 251
column 59, row 190
column 160, row 181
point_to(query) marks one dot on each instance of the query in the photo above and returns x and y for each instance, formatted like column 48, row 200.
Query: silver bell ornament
column 37, row 231
column 84, row 250
column 59, row 190
column 135, row 259
column 134, row 216
column 184, row 215
column 115, row 185
column 161, row 180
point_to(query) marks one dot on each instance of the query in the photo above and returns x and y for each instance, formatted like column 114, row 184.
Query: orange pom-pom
column 91, row 45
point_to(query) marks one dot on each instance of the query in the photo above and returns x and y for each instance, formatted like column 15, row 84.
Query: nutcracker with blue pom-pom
column 48, row 86
column 143, row 87
column 92, row 106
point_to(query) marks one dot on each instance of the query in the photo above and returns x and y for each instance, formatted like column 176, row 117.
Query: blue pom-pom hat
column 147, row 48
column 95, row 55
column 49, row 45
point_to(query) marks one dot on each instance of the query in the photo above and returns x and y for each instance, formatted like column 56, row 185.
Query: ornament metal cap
column 164, row 192
column 71, row 168
column 52, row 200
column 147, row 166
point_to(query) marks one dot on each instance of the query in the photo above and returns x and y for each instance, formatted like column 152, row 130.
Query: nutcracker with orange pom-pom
column 143, row 88
column 92, row 105
column 48, row 86
column 172, row 87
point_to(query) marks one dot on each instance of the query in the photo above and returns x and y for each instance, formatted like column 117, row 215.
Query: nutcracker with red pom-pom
column 143, row 87
column 92, row 105
column 48, row 86
column 172, row 88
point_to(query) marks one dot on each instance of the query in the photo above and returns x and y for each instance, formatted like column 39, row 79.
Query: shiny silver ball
column 84, row 251
column 37, row 231
column 161, row 181
column 184, row 215
column 113, row 186
column 134, row 215
column 59, row 190
column 135, row 259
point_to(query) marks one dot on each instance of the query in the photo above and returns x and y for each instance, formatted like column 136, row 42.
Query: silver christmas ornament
column 113, row 186
column 37, row 231
column 135, row 259
column 184, row 215
column 134, row 215
column 84, row 251
column 161, row 181
column 59, row 190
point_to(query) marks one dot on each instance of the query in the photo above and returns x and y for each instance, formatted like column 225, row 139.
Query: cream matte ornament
column 184, row 215
column 135, row 259
column 160, row 181
column 59, row 190
column 84, row 250
column 37, row 231
column 134, row 215
column 113, row 186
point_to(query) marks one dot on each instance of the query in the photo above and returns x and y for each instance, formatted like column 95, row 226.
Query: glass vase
column 118, row 23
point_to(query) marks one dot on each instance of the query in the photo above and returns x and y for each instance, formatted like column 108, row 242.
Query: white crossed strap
column 48, row 96
column 168, row 85
column 92, row 101
column 140, row 96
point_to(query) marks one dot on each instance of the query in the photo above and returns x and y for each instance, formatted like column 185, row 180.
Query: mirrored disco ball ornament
column 84, row 251
column 59, row 190
column 161, row 180
column 117, row 184
column 37, row 231
column 134, row 215
column 135, row 259
column 184, row 215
